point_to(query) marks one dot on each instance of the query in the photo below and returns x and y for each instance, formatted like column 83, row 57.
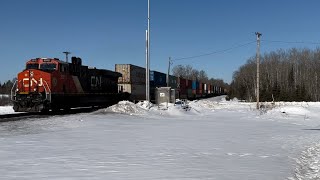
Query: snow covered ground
column 214, row 139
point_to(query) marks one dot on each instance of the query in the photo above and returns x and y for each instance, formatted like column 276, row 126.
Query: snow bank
column 296, row 113
column 147, row 108
column 196, row 107
column 291, row 110
column 220, row 103
column 282, row 110
column 294, row 110
column 125, row 107
column 145, row 104
column 6, row 110
column 208, row 104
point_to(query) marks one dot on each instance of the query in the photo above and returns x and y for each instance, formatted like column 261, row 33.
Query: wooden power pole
column 258, row 71
column 168, row 75
column 148, row 57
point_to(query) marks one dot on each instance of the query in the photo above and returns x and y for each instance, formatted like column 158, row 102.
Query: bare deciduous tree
column 188, row 72
column 291, row 75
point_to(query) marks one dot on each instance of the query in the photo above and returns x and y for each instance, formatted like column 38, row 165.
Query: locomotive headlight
column 34, row 89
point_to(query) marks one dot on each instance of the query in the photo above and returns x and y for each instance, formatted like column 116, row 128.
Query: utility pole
column 258, row 71
column 148, row 57
column 168, row 75
column 67, row 53
column 147, row 78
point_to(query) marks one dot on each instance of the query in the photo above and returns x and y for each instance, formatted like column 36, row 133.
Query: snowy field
column 214, row 139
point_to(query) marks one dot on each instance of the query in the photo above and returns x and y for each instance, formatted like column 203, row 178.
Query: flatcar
column 51, row 84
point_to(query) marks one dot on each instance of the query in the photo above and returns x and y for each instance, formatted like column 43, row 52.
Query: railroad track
column 17, row 116
column 22, row 116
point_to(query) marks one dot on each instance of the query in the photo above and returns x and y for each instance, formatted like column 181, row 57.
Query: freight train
column 133, row 81
column 51, row 84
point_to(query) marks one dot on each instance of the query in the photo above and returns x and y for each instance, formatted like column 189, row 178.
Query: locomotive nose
column 31, row 81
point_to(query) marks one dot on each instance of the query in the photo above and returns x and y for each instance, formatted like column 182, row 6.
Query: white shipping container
column 131, row 74
column 137, row 91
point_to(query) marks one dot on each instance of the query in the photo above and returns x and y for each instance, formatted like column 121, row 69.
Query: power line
column 291, row 42
column 241, row 45
column 215, row 52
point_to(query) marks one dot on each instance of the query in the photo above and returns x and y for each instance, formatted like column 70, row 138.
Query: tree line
column 5, row 91
column 188, row 72
column 285, row 75
column 5, row 87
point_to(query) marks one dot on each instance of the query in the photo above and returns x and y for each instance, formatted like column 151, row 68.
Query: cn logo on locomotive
column 27, row 81
column 95, row 81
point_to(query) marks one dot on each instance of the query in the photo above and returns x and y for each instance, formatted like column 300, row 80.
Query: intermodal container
column 195, row 85
column 190, row 93
column 181, row 86
column 194, row 93
column 137, row 91
column 173, row 80
column 204, row 90
column 158, row 79
column 152, row 92
column 131, row 74
column 209, row 89
column 200, row 89
column 189, row 84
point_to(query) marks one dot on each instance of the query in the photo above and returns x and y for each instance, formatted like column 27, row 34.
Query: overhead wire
column 215, row 52
column 291, row 42
column 241, row 45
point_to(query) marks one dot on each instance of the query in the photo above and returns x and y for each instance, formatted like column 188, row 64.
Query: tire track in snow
column 308, row 165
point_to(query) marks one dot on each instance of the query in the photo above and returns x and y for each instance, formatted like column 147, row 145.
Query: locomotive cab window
column 32, row 66
column 48, row 66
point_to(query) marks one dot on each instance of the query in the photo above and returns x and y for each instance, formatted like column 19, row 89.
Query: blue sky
column 106, row 32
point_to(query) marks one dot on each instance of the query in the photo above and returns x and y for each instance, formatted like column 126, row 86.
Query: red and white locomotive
column 51, row 84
